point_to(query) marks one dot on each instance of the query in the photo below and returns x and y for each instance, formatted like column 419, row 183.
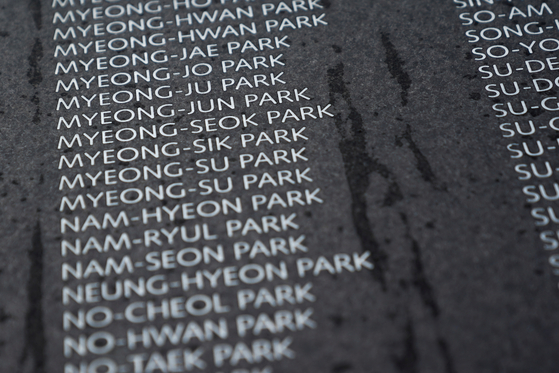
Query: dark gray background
column 413, row 167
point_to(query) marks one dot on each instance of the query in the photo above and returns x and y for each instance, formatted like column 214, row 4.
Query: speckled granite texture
column 412, row 167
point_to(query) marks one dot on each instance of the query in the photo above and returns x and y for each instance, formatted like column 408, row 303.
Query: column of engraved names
column 516, row 44
column 92, row 245
column 184, row 168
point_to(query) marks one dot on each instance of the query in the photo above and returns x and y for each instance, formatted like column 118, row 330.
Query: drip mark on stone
column 396, row 67
column 421, row 283
column 427, row 294
column 407, row 362
column 34, row 73
column 37, row 115
column 447, row 357
column 419, row 278
column 422, row 164
column 341, row 367
column 358, row 166
column 35, row 77
column 4, row 316
column 35, row 343
column 35, row 9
